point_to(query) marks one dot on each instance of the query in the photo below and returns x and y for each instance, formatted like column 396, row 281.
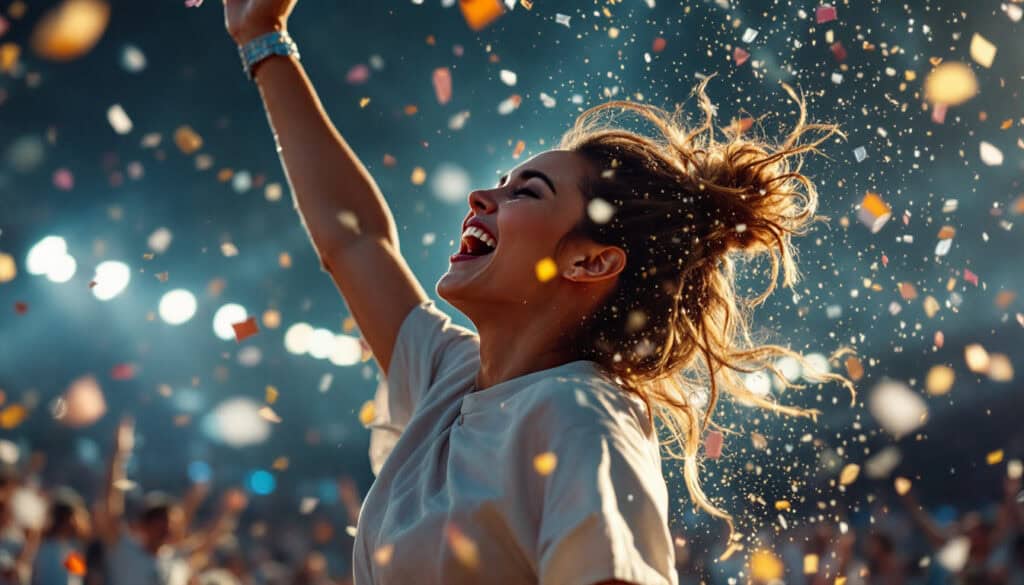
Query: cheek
column 533, row 229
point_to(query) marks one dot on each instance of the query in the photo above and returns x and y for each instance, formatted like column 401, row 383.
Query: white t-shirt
column 459, row 498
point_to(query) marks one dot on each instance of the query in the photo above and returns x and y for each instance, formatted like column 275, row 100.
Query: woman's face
column 526, row 216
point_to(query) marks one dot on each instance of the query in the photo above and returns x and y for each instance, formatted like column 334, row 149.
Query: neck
column 520, row 339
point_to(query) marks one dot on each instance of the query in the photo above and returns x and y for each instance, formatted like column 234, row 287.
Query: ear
column 596, row 264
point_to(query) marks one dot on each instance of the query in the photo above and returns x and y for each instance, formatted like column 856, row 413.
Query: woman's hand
column 248, row 19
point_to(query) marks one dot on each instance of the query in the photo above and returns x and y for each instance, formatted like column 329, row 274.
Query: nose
column 482, row 200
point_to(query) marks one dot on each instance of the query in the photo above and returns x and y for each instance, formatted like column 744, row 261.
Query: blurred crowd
column 51, row 535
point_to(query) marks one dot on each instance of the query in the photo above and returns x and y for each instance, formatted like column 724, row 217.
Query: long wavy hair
column 686, row 206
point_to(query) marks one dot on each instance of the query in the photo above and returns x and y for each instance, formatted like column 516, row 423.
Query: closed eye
column 528, row 192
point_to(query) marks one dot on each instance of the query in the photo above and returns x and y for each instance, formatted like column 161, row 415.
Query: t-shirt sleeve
column 604, row 513
column 430, row 352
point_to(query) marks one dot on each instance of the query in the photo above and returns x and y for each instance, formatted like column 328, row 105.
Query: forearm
column 325, row 175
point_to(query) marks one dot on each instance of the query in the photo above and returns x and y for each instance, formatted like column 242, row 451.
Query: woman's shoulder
column 585, row 400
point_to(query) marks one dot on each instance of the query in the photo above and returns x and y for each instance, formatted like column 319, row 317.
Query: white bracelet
column 258, row 49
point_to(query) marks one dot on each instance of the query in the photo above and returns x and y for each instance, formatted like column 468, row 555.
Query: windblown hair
column 686, row 206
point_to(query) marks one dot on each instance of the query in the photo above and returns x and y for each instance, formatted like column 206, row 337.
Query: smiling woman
column 600, row 279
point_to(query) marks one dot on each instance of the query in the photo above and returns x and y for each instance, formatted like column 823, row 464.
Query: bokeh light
column 112, row 277
column 226, row 316
column 177, row 306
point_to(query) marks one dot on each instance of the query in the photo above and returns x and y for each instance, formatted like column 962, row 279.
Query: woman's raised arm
column 342, row 209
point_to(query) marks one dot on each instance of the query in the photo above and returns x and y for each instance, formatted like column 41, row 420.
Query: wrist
column 243, row 37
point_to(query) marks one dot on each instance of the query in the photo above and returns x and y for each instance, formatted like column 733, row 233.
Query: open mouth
column 475, row 243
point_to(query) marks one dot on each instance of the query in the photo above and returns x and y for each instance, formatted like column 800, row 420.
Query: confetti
column 368, row 413
column 765, row 567
column 897, row 408
column 990, row 155
column 874, row 212
column 950, row 84
column 977, row 358
column 902, row 485
column 118, row 119
column 75, row 564
column 810, row 564
column 187, row 140
column 509, row 78
column 71, row 29
column 849, row 474
column 545, row 463
column 464, row 549
column 824, row 13
column 994, row 457
column 546, row 269
column 480, row 13
column 562, row 19
column 939, row 380
column 442, row 79
column 270, row 394
column 8, row 268
column 245, row 329
column 713, row 443
column 268, row 414
column 982, row 51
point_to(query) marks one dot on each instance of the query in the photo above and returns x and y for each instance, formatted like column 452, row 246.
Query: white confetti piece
column 119, row 119
column 982, row 50
column 990, row 155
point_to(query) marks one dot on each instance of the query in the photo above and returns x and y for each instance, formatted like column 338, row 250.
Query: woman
column 528, row 452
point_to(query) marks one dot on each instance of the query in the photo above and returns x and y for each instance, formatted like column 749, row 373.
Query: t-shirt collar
column 494, row 395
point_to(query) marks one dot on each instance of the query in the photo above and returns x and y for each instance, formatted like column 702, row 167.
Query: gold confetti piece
column 272, row 192
column 758, row 441
column 419, row 176
column 187, row 140
column 950, row 84
column 368, row 413
column 284, row 260
column 480, row 13
column 874, row 212
column 382, row 556
column 268, row 414
column 71, row 29
column 977, row 358
column 931, row 306
column 280, row 464
column 994, row 458
column 271, row 319
column 363, row 102
column 902, row 485
column 271, row 394
column 982, row 51
column 545, row 463
column 840, row 580
column 8, row 268
column 1000, row 369
column 12, row 416
column 765, row 566
column 348, row 324
column 810, row 564
column 9, row 53
column 462, row 546
column 939, row 380
column 782, row 505
column 849, row 474
column 546, row 269
column 228, row 249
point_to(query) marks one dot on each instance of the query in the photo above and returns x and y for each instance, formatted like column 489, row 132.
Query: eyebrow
column 529, row 174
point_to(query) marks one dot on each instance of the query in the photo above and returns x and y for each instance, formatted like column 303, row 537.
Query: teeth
column 480, row 235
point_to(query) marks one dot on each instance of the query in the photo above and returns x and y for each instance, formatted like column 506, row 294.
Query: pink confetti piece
column 443, row 85
column 123, row 372
column 659, row 44
column 193, row 3
column 838, row 51
column 357, row 75
column 63, row 179
column 825, row 13
column 4, row 26
column 740, row 56
column 245, row 329
column 970, row 277
column 939, row 113
column 713, row 442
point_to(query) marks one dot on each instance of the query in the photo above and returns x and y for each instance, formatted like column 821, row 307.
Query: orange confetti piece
column 367, row 413
column 71, row 29
column 271, row 394
column 480, row 13
column 902, row 485
column 849, row 474
column 994, row 458
column 854, row 368
column 12, row 416
column 187, row 140
column 75, row 564
column 546, row 269
column 520, row 146
column 874, row 212
column 245, row 329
